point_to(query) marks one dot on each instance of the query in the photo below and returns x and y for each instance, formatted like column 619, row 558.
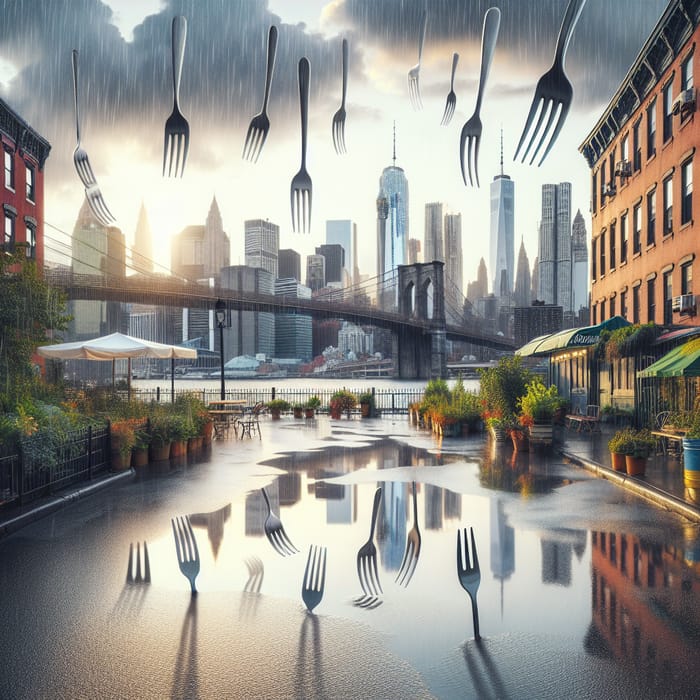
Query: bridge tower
column 422, row 355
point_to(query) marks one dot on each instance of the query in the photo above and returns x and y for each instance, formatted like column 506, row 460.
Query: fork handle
column 304, row 70
column 421, row 40
column 345, row 71
column 489, row 36
column 179, row 37
column 74, row 60
column 475, row 619
column 573, row 12
column 271, row 53
column 455, row 59
column 375, row 509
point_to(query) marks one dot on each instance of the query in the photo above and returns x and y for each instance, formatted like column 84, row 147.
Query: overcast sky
column 126, row 96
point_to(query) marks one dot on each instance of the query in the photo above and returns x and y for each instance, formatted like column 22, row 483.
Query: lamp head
column 220, row 311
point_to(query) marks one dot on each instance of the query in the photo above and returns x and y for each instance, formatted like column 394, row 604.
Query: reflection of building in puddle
column 646, row 611
column 557, row 548
column 502, row 545
column 391, row 525
column 214, row 523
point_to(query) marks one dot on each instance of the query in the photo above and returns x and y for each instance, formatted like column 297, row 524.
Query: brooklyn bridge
column 410, row 303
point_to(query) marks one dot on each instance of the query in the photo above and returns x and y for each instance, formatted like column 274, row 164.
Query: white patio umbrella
column 117, row 346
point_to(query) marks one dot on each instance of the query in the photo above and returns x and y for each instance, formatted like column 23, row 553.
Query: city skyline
column 126, row 95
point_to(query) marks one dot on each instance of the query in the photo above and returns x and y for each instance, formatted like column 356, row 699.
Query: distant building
column 479, row 288
column 262, row 244
column 289, row 264
column 501, row 241
column 522, row 295
column 532, row 321
column 142, row 252
column 334, row 255
column 315, row 272
column 453, row 254
column 414, row 250
column 22, row 194
column 352, row 339
column 344, row 233
column 433, row 239
column 293, row 331
column 579, row 271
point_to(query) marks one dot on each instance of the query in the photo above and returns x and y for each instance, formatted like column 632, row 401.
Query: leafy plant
column 539, row 402
column 637, row 443
column 278, row 405
column 501, row 386
column 343, row 400
column 313, row 402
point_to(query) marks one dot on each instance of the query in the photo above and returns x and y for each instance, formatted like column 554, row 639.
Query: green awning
column 683, row 361
column 570, row 338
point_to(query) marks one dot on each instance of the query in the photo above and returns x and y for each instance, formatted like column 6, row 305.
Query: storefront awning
column 678, row 334
column 683, row 361
column 570, row 338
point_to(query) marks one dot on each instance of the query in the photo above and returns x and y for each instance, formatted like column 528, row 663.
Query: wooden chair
column 250, row 422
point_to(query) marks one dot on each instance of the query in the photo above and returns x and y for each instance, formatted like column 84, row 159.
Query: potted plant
column 139, row 454
column 276, row 406
column 342, row 401
column 643, row 444
column 539, row 404
column 159, row 448
column 298, row 410
column 497, row 426
column 311, row 405
column 519, row 434
column 122, row 440
column 367, row 404
column 620, row 445
column 180, row 431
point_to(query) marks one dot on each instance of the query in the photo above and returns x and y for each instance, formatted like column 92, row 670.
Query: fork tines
column 133, row 571
column 408, row 565
column 301, row 207
column 176, row 145
column 469, row 139
column 255, row 139
column 186, row 548
column 368, row 575
column 314, row 577
column 279, row 539
column 98, row 205
column 83, row 167
column 449, row 110
column 339, row 132
column 414, row 88
column 555, row 110
column 464, row 564
column 368, row 602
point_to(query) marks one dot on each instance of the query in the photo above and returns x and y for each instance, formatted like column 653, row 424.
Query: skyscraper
column 453, row 252
column 555, row 247
column 433, row 233
column 579, row 262
column 334, row 255
column 523, row 283
column 289, row 264
column 344, row 233
column 392, row 222
column 501, row 243
column 315, row 272
column 142, row 253
column 262, row 244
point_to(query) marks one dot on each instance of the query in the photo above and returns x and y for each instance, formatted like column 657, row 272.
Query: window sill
column 668, row 236
column 10, row 189
column 651, row 156
column 650, row 246
column 688, row 119
column 687, row 224
column 667, row 143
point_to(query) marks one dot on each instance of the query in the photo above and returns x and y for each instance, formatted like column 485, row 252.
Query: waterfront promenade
column 663, row 483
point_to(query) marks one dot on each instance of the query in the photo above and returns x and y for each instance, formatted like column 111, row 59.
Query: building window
column 594, row 193
column 613, row 258
column 31, row 184
column 602, row 183
column 637, row 229
column 31, row 241
column 625, row 148
column 687, row 278
column 651, row 129
column 9, row 239
column 602, row 311
column 636, row 303
column 687, row 191
column 687, row 82
column 651, row 301
column 651, row 217
column 668, row 110
column 636, row 146
column 594, row 258
column 612, row 306
column 668, row 205
column 602, row 254
column 623, row 304
column 9, row 171
column 668, row 297
column 623, row 238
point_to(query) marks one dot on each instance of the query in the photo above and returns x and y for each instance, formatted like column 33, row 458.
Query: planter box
column 158, row 453
column 541, row 432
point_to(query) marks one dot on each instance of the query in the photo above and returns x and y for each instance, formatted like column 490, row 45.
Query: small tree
column 501, row 386
column 29, row 309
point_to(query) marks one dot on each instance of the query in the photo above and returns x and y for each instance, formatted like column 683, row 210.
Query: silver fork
column 301, row 183
column 553, row 94
column 274, row 531
column 186, row 547
column 414, row 73
column 98, row 205
column 451, row 97
column 367, row 556
column 260, row 124
column 80, row 156
column 413, row 541
column 314, row 577
column 471, row 131
column 339, row 116
column 177, row 130
column 468, row 573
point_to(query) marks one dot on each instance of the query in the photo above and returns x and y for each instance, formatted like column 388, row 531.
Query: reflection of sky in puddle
column 547, row 597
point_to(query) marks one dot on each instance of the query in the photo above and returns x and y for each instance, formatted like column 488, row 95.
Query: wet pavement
column 587, row 590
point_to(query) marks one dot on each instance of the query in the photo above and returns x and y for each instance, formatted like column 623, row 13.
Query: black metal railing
column 44, row 464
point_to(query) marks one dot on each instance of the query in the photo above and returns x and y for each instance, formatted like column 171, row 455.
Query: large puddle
column 585, row 591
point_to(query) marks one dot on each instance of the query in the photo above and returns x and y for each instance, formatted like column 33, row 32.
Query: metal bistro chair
column 250, row 422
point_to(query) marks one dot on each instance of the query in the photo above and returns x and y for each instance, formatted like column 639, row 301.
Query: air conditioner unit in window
column 685, row 102
column 623, row 168
column 609, row 190
column 687, row 304
column 676, row 304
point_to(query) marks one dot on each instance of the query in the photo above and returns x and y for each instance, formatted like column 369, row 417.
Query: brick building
column 645, row 242
column 24, row 153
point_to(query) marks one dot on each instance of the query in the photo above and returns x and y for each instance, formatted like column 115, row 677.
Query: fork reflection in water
column 186, row 548
column 468, row 572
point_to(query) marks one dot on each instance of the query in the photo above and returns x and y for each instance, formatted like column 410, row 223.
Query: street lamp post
column 220, row 311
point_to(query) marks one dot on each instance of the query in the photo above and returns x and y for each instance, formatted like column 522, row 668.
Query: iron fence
column 47, row 463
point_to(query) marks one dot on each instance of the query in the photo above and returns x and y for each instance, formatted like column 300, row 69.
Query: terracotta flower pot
column 208, row 432
column 618, row 462
column 158, row 453
column 139, row 457
column 310, row 412
column 120, row 460
column 636, row 466
column 178, row 448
